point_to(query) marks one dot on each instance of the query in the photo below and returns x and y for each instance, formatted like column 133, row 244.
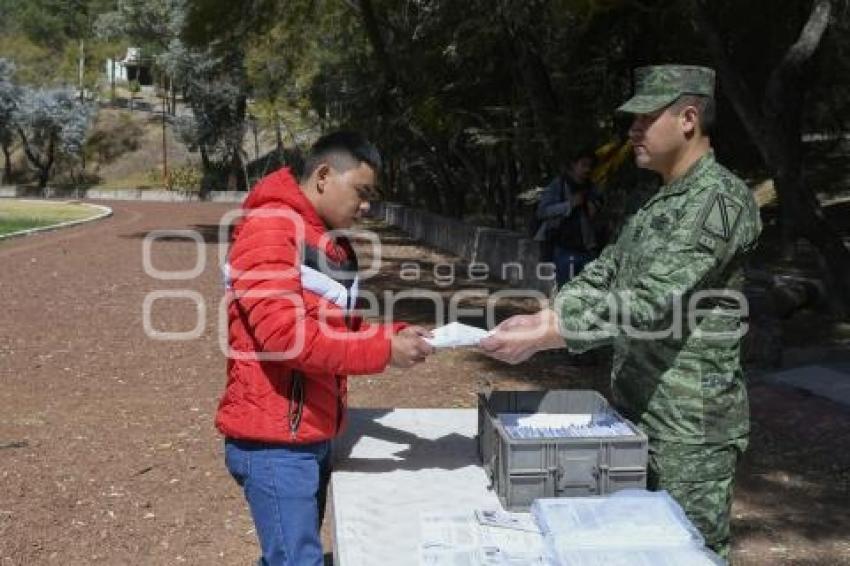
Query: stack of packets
column 488, row 537
column 631, row 527
column 561, row 425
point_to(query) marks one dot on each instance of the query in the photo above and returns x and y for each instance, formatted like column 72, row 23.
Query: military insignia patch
column 717, row 222
column 660, row 222
column 721, row 217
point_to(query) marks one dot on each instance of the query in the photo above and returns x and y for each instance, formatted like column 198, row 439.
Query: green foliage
column 10, row 95
column 150, row 24
column 52, row 123
column 43, row 37
column 472, row 101
column 203, row 27
column 53, row 23
column 34, row 63
column 186, row 178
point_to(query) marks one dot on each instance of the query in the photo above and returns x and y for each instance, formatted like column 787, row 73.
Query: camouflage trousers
column 700, row 478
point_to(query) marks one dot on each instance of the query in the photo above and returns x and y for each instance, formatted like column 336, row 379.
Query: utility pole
column 164, row 94
column 112, row 80
column 82, row 69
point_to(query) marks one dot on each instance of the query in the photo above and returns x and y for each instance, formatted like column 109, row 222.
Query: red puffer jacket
column 292, row 341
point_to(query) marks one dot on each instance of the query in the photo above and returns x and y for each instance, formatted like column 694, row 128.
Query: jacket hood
column 281, row 188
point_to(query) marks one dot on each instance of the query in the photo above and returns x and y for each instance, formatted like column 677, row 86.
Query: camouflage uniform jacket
column 680, row 381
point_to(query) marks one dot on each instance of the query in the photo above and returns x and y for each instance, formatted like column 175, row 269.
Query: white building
column 133, row 67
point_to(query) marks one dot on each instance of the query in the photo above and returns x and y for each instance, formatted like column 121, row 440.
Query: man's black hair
column 342, row 150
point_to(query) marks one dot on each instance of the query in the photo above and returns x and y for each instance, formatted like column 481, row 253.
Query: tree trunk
column 393, row 104
column 390, row 177
column 531, row 72
column 775, row 128
column 278, row 137
column 205, row 159
column 7, row 167
column 494, row 191
column 237, row 169
column 278, row 134
column 210, row 175
column 512, row 181
column 256, row 138
column 42, row 168
column 370, row 23
column 44, row 173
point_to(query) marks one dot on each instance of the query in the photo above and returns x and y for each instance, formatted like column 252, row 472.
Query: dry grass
column 133, row 180
column 133, row 169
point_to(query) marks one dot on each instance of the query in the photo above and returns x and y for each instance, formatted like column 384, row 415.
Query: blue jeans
column 569, row 263
column 286, row 488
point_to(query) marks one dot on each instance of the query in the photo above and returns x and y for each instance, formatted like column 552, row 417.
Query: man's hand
column 520, row 337
column 518, row 321
column 409, row 348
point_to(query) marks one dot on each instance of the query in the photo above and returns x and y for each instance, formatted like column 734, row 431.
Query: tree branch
column 795, row 59
column 373, row 31
column 28, row 150
column 736, row 90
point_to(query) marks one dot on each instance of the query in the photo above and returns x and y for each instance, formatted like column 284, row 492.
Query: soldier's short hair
column 706, row 110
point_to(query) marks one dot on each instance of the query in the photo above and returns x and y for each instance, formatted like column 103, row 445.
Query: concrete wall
column 509, row 256
column 121, row 194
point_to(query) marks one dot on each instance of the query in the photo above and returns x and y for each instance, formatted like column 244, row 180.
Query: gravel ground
column 108, row 454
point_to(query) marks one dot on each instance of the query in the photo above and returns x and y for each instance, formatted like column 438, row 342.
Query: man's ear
column 322, row 173
column 689, row 119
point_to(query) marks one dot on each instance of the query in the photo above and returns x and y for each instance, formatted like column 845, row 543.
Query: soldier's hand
column 409, row 347
column 520, row 337
column 519, row 321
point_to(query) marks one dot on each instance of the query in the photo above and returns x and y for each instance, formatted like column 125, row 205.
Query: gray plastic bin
column 522, row 470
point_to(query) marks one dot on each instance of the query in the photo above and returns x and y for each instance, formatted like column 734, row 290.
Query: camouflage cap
column 660, row 85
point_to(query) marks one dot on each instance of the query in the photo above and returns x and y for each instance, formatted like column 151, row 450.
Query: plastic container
column 631, row 527
column 628, row 519
column 635, row 557
column 524, row 469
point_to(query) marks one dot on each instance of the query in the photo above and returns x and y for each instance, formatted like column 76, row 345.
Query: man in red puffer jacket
column 291, row 284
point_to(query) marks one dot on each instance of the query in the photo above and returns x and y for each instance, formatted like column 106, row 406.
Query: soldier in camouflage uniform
column 666, row 296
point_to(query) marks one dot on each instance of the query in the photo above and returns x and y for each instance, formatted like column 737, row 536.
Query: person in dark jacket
column 293, row 340
column 567, row 210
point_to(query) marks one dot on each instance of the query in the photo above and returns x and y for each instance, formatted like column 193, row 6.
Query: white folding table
column 395, row 465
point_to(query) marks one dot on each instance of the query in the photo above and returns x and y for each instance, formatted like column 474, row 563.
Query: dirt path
column 108, row 454
column 107, row 449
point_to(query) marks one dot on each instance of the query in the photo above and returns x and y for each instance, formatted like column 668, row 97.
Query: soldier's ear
column 689, row 120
